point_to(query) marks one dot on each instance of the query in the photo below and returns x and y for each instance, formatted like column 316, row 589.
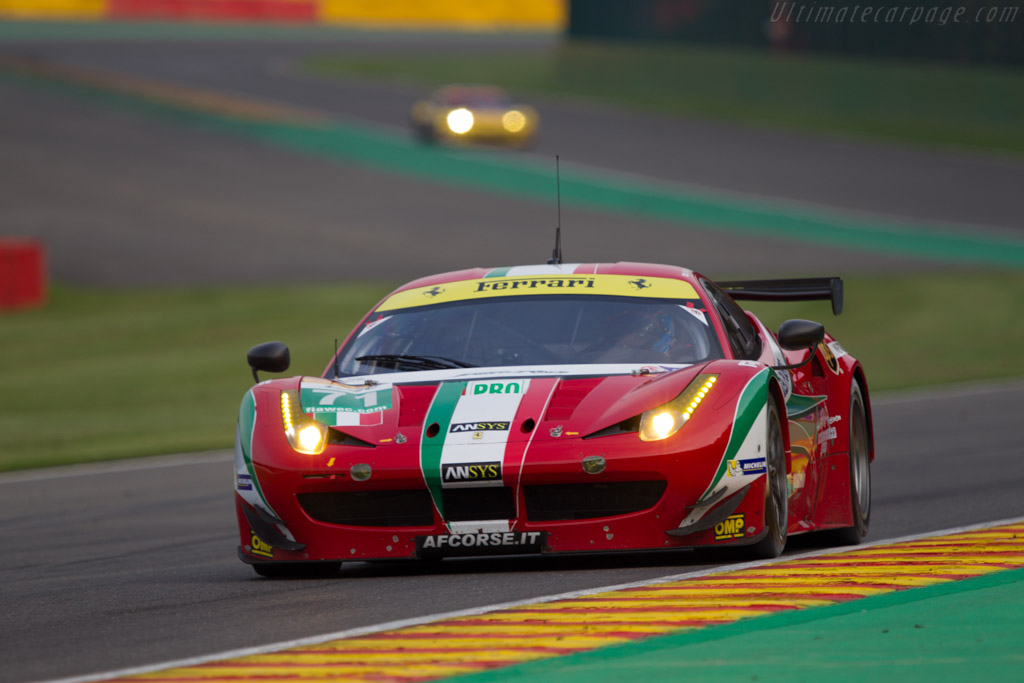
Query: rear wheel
column 860, row 473
column 297, row 570
column 776, row 498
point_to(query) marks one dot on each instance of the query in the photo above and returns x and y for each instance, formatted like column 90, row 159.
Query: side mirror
column 796, row 335
column 269, row 357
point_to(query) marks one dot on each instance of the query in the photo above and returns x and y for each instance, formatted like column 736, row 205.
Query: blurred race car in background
column 474, row 114
column 557, row 408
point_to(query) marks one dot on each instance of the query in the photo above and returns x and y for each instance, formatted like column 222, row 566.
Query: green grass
column 103, row 374
column 927, row 103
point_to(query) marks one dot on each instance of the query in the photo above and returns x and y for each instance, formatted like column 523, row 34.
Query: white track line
column 476, row 611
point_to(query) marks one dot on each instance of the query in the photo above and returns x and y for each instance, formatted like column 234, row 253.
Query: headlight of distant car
column 305, row 435
column 513, row 121
column 664, row 421
column 460, row 120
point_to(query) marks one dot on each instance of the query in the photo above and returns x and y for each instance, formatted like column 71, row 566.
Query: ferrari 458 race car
column 473, row 113
column 559, row 408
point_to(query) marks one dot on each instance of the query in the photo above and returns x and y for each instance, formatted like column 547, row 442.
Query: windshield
column 532, row 330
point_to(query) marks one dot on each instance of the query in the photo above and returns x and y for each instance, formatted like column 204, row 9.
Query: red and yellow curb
column 503, row 637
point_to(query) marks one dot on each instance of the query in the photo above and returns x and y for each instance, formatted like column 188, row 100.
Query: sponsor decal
column 471, row 471
column 479, row 427
column 730, row 527
column 611, row 285
column 243, row 482
column 697, row 313
column 261, row 547
column 739, row 468
column 828, row 434
column 537, row 283
column 497, row 388
column 639, row 283
column 335, row 398
column 830, row 359
column 372, row 324
column 835, row 418
column 500, row 542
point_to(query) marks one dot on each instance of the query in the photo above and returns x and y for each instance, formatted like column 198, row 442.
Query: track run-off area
column 701, row 626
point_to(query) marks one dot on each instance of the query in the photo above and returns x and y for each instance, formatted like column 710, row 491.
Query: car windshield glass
column 533, row 330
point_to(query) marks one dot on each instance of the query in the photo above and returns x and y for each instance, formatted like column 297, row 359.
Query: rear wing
column 797, row 289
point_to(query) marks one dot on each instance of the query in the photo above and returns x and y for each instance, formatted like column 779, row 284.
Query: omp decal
column 260, row 547
column 489, row 287
column 471, row 472
column 488, row 638
column 730, row 527
column 243, row 482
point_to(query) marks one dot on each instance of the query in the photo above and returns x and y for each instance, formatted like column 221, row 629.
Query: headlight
column 304, row 434
column 460, row 120
column 664, row 421
column 513, row 121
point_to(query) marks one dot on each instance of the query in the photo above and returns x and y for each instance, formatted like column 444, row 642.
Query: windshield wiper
column 418, row 362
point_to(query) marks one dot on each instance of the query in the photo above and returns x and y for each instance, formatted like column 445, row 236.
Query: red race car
column 558, row 408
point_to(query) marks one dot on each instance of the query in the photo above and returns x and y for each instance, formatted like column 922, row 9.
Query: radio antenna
column 556, row 253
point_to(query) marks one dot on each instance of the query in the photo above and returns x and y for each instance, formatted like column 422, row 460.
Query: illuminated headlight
column 304, row 434
column 513, row 121
column 664, row 421
column 460, row 120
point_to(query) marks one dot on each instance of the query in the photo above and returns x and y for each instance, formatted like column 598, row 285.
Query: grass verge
column 918, row 102
column 103, row 374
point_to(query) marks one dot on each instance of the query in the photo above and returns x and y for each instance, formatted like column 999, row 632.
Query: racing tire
column 776, row 492
column 297, row 570
column 860, row 474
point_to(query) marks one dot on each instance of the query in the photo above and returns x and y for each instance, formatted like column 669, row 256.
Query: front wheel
column 776, row 495
column 297, row 570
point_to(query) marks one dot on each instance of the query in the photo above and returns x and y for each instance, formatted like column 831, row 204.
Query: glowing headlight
column 513, row 121
column 460, row 120
column 664, row 421
column 303, row 433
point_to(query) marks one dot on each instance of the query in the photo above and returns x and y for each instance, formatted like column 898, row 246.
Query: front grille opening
column 370, row 508
column 564, row 502
column 485, row 502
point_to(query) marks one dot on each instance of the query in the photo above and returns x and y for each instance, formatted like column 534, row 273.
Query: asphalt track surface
column 122, row 198
column 109, row 567
column 112, row 566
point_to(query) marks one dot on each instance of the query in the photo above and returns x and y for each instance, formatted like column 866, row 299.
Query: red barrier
column 215, row 10
column 22, row 273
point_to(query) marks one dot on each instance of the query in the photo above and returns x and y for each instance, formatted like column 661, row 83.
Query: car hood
column 495, row 404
